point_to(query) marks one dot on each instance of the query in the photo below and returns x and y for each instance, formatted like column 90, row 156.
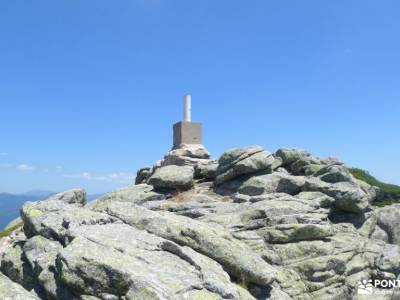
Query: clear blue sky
column 89, row 89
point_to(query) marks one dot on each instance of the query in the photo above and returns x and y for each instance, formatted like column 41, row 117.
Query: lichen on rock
column 251, row 225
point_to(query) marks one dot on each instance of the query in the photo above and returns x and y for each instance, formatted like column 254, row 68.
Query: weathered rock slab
column 236, row 258
column 272, row 183
column 10, row 290
column 75, row 196
column 172, row 177
column 241, row 161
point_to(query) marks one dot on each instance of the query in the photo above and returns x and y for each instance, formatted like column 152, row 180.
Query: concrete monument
column 186, row 131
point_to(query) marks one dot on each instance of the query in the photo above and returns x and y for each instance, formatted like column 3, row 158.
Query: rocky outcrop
column 348, row 196
column 290, row 156
column 236, row 257
column 272, row 183
column 125, row 261
column 251, row 225
column 388, row 222
column 242, row 161
column 142, row 175
column 76, row 196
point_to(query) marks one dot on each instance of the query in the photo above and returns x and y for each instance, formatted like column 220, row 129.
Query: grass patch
column 391, row 192
column 8, row 231
column 384, row 203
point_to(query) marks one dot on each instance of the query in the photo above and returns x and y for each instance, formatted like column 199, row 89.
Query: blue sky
column 89, row 89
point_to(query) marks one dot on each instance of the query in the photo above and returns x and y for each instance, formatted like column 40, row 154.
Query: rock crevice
column 250, row 225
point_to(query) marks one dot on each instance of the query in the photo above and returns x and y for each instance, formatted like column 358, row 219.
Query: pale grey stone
column 374, row 193
column 207, row 171
column 126, row 261
column 321, row 199
column 172, row 177
column 75, row 196
column 289, row 156
column 10, row 290
column 288, row 233
column 235, row 257
column 54, row 219
column 187, row 155
column 16, row 267
column 380, row 234
column 348, row 196
column 272, row 183
column 41, row 254
column 138, row 194
column 191, row 150
column 334, row 174
column 389, row 259
column 389, row 221
column 242, row 161
column 305, row 165
column 289, row 237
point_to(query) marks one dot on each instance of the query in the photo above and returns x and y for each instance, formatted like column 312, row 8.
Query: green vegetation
column 391, row 192
column 8, row 231
column 383, row 203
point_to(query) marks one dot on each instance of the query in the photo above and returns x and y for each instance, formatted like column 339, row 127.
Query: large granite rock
column 249, row 226
column 172, row 177
column 13, row 291
column 16, row 267
column 289, row 156
column 242, row 161
column 272, row 183
column 138, row 194
column 54, row 219
column 334, row 174
column 348, row 195
column 285, row 233
column 213, row 242
column 125, row 261
column 187, row 155
column 389, row 222
column 206, row 171
column 41, row 254
column 76, row 196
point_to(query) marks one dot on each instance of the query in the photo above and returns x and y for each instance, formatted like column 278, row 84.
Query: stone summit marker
column 186, row 131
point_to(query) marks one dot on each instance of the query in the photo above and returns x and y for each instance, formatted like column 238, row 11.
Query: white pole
column 187, row 115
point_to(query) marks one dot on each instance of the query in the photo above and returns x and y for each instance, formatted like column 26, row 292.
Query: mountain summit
column 250, row 225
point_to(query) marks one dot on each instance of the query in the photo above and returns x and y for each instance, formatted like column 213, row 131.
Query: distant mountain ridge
column 10, row 204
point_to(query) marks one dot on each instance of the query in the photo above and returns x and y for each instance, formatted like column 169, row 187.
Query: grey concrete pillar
column 187, row 114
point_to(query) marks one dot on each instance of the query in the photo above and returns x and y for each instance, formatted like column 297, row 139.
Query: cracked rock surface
column 251, row 225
